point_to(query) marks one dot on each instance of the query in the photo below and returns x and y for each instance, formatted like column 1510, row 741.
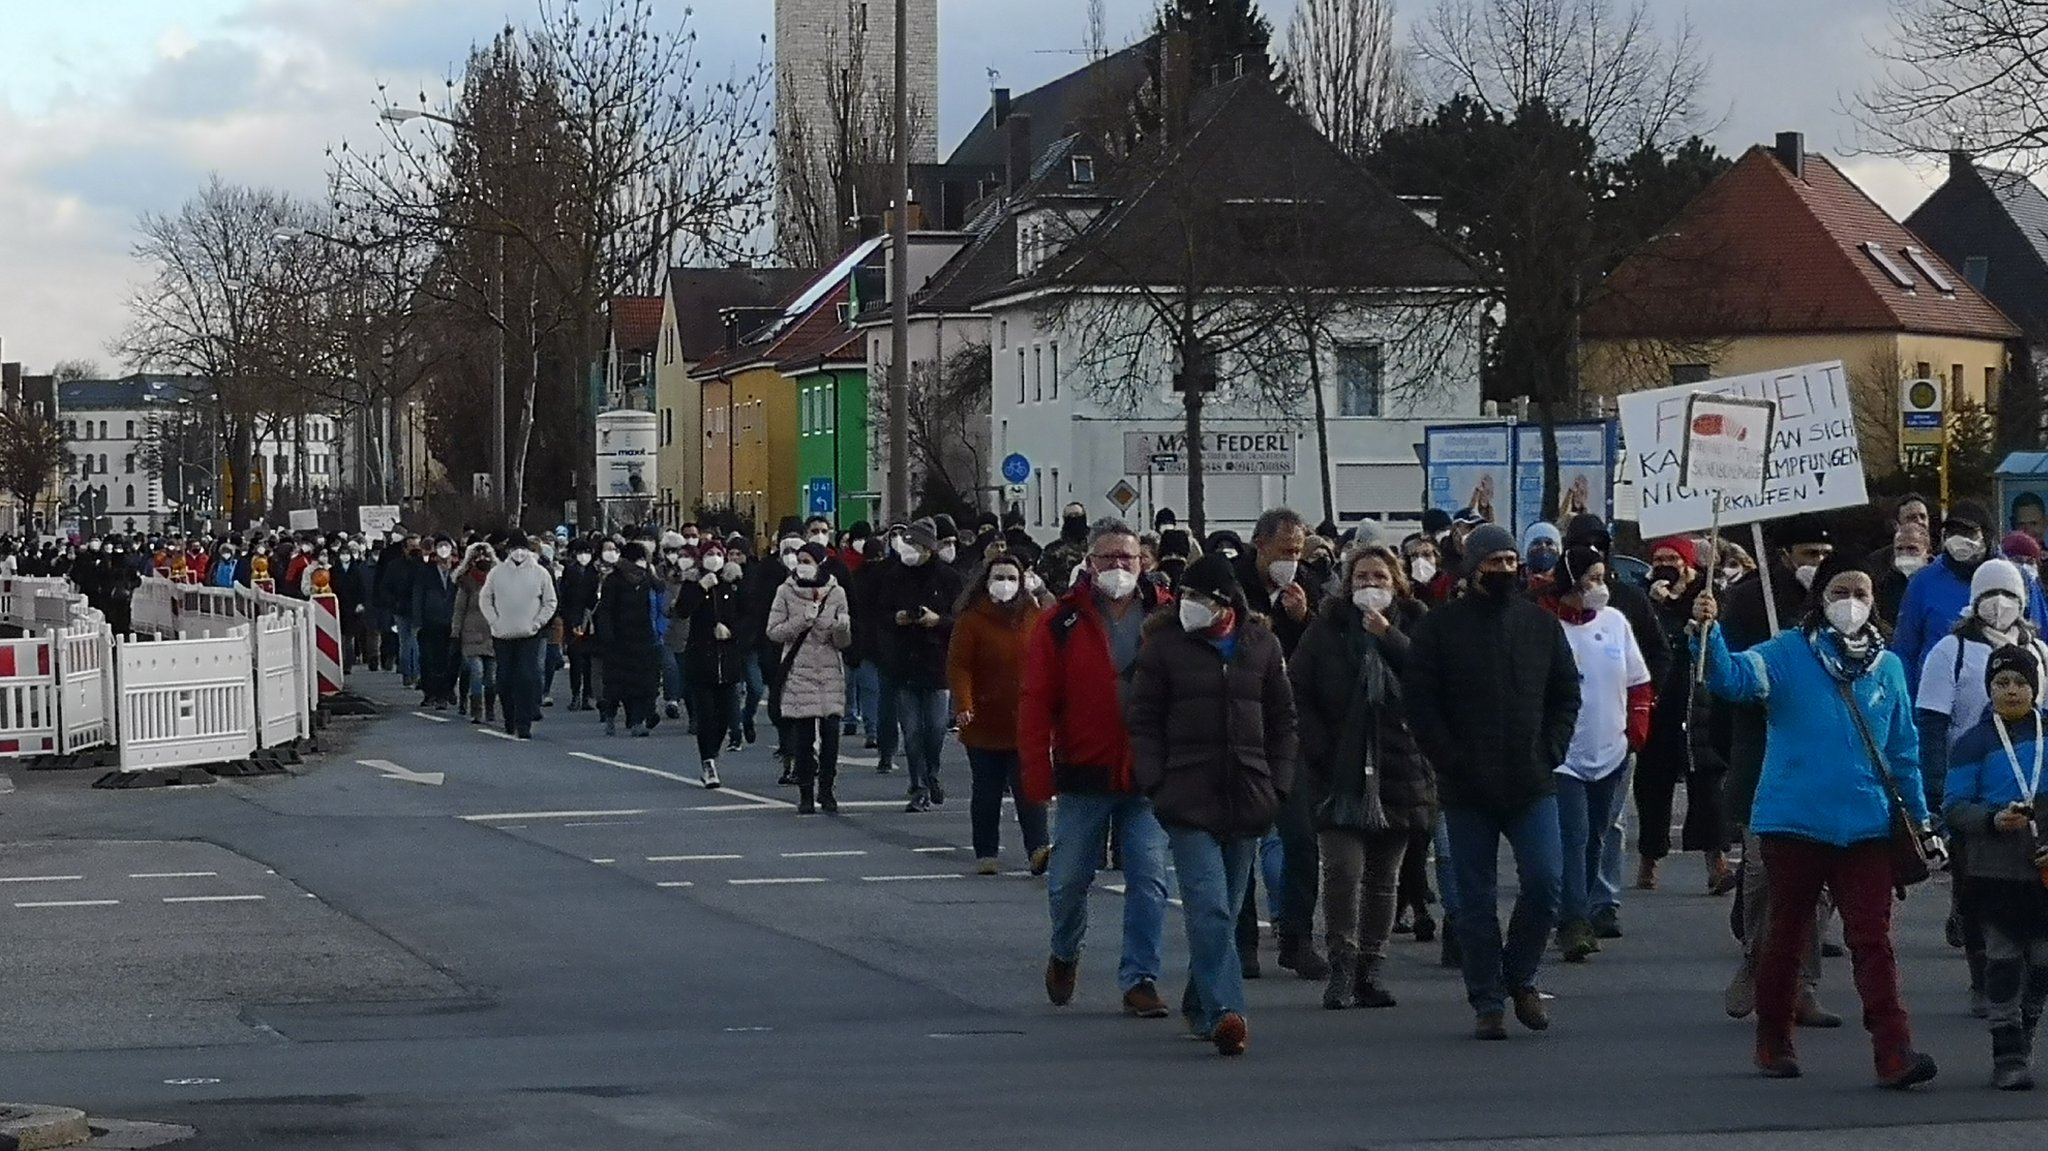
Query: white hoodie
column 518, row 598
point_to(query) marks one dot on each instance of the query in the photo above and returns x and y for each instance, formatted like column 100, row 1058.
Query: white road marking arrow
column 404, row 775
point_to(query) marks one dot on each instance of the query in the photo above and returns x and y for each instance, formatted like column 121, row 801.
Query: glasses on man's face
column 1103, row 561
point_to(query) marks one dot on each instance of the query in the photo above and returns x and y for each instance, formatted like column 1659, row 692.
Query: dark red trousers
column 1860, row 878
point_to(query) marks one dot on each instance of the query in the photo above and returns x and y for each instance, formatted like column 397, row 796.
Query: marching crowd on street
column 1353, row 724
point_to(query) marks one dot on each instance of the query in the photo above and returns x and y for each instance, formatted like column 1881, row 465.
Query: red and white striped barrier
column 327, row 641
column 28, row 697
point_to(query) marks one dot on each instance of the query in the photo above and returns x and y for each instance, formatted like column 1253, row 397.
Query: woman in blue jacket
column 1823, row 807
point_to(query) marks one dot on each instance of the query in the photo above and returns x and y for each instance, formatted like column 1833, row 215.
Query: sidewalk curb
column 29, row 1127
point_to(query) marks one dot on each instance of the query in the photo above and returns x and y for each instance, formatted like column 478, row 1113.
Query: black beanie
column 1215, row 577
column 1573, row 566
column 2015, row 657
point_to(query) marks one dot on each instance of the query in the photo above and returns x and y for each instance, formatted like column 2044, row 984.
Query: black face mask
column 1074, row 528
column 1668, row 575
column 1497, row 585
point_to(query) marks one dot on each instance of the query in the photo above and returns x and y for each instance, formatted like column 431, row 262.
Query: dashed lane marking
column 601, row 861
column 70, row 903
column 40, row 878
column 908, row 878
column 676, row 883
column 691, row 858
column 431, row 717
column 175, row 875
column 759, row 800
column 214, row 898
column 776, row 881
column 499, row 816
column 496, row 734
column 601, row 823
column 821, row 854
column 933, row 850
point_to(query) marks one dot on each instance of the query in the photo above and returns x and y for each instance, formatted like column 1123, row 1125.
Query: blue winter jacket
column 1936, row 598
column 1818, row 781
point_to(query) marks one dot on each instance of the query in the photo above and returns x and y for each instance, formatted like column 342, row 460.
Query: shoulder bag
column 1908, row 856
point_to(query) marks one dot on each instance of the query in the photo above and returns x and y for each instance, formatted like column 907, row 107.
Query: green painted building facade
column 832, row 435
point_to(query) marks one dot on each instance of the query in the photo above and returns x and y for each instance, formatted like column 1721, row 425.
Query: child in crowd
column 1994, row 791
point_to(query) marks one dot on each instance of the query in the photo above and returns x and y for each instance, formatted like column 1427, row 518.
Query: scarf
column 1846, row 657
column 1360, row 742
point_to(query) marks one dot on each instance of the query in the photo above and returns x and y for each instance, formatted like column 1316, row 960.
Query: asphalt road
column 569, row 943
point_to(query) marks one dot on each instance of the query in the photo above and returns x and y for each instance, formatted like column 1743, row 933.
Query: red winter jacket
column 1071, row 734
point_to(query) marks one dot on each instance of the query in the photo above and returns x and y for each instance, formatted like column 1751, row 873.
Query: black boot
column 828, row 802
column 1298, row 954
column 1371, row 991
column 805, row 801
column 788, row 772
column 1342, row 990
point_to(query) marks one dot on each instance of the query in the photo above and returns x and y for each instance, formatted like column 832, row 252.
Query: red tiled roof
column 1764, row 251
column 636, row 322
column 812, row 328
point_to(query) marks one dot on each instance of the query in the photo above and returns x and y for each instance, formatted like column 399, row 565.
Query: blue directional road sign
column 1016, row 468
column 821, row 495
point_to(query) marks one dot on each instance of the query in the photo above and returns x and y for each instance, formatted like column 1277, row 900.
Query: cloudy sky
column 109, row 108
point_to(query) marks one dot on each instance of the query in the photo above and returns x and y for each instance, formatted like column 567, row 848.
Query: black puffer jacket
column 1325, row 672
column 707, row 602
column 1214, row 742
column 910, row 654
column 1493, row 694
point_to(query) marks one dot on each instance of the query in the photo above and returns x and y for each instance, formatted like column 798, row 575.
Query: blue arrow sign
column 1016, row 468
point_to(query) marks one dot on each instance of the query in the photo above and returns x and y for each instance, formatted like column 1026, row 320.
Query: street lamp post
column 497, row 310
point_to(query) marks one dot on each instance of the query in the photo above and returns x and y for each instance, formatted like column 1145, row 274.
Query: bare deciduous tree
column 1346, row 71
column 592, row 151
column 214, row 306
column 32, row 452
column 1608, row 67
column 947, row 422
column 67, row 371
column 1968, row 71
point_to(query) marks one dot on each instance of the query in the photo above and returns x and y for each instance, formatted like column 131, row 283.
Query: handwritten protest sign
column 1814, row 463
column 1727, row 445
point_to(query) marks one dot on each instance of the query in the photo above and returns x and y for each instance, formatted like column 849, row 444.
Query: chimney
column 1000, row 99
column 1959, row 162
column 1176, row 82
column 1791, row 152
column 1017, row 152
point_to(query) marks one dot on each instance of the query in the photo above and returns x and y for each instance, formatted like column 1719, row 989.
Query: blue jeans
column 671, row 675
column 482, row 673
column 994, row 773
column 746, row 701
column 851, row 716
column 408, row 648
column 1213, row 873
column 877, row 708
column 1585, row 815
column 1272, row 869
column 1604, row 887
column 1494, row 967
column 551, row 662
column 925, row 713
column 1080, row 822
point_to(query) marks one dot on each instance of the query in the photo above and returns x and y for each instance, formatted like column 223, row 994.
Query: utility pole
column 899, row 284
column 498, row 380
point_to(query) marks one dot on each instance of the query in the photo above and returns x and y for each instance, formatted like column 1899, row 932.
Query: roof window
column 1891, row 268
column 1083, row 169
column 1934, row 276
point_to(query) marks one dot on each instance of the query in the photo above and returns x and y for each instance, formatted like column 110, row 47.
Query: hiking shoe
column 1041, row 859
column 710, row 775
column 1425, row 927
column 674, row 710
column 1143, row 1001
column 1299, row 956
column 988, row 866
column 1060, row 977
column 1530, row 1011
column 2012, row 1077
column 1832, row 951
column 1491, row 1025
column 1908, row 1070
column 1776, row 1063
column 611, row 726
column 1607, row 925
column 917, row 805
column 1646, row 875
column 1231, row 1034
column 1575, row 940
column 938, row 791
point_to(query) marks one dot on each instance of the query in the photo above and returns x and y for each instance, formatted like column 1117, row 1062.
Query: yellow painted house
column 745, row 394
column 1785, row 261
column 694, row 314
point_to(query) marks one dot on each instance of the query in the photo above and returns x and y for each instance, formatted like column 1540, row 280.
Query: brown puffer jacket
column 1214, row 741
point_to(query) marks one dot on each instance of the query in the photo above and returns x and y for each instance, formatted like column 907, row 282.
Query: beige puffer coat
column 817, row 620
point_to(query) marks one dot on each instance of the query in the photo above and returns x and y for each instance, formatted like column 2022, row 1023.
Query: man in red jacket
column 1072, row 740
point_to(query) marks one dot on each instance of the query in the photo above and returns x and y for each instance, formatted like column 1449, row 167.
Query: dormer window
column 1082, row 169
column 1920, row 260
column 1889, row 266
